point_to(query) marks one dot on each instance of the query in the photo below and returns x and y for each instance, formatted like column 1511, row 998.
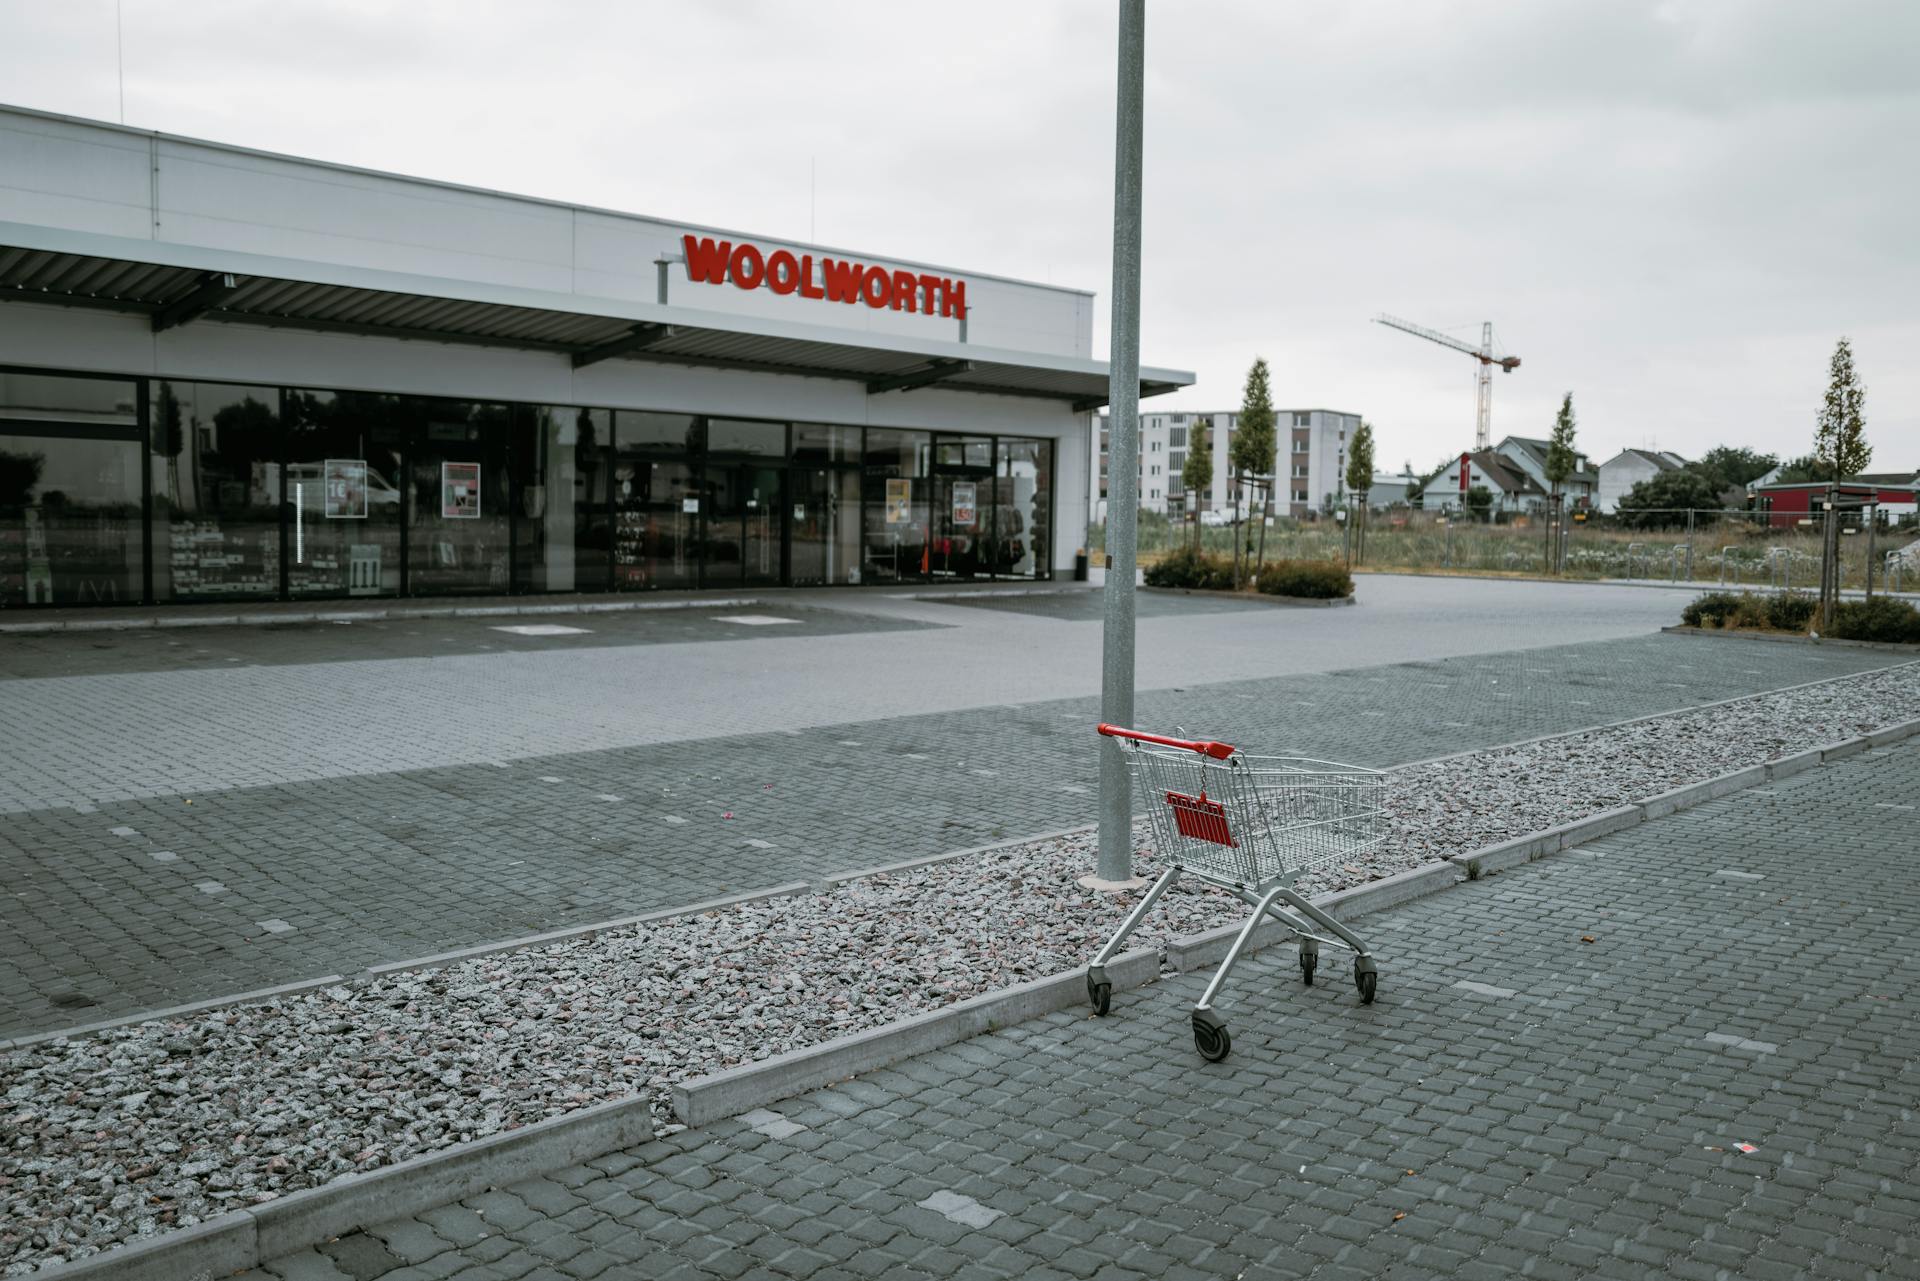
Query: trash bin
column 1080, row 565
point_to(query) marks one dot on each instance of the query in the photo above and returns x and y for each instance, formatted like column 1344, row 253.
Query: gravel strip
column 166, row 1123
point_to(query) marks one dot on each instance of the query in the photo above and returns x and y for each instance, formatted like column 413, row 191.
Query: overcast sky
column 1670, row 209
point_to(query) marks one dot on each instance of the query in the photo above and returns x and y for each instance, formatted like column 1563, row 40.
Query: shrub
column 1790, row 611
column 1882, row 619
column 1313, row 579
column 1191, row 569
column 1712, row 609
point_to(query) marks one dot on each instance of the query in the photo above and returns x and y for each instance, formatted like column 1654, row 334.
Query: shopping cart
column 1250, row 825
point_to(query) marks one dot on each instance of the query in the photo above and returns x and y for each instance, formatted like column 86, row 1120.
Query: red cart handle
column 1219, row 751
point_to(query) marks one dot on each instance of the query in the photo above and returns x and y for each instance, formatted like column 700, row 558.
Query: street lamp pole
column 1123, row 480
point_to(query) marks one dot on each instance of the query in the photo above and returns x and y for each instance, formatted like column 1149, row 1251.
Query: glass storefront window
column 255, row 492
column 669, row 432
column 69, row 521
column 561, row 525
column 344, row 492
column 53, row 398
column 895, row 505
column 457, row 526
column 816, row 444
column 216, row 491
column 737, row 436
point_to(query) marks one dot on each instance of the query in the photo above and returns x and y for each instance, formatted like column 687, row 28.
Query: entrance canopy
column 174, row 285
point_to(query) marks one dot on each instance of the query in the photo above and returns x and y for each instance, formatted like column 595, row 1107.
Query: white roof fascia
column 162, row 253
column 414, row 179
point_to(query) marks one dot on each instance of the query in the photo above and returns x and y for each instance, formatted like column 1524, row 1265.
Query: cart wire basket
column 1251, row 825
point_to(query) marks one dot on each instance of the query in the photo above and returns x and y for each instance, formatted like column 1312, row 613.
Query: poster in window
column 963, row 503
column 899, row 502
column 346, row 481
column 460, row 491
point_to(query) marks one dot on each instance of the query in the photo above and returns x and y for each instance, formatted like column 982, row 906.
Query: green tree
column 1562, row 458
column 1728, row 466
column 1359, row 482
column 1252, row 450
column 1479, row 501
column 1360, row 460
column 1839, row 437
column 1561, row 455
column 1196, row 474
column 1663, row 500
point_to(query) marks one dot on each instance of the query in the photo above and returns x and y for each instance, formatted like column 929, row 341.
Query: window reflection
column 216, row 491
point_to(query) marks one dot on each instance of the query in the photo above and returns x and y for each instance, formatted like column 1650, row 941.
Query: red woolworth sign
column 748, row 267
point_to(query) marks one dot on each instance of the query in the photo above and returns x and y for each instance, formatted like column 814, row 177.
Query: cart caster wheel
column 1365, row 980
column 1308, row 960
column 1100, row 994
column 1210, row 1036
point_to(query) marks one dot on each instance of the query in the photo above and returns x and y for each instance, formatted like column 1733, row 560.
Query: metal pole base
column 1093, row 882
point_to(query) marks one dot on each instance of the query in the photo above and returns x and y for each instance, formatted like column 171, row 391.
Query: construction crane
column 1483, row 421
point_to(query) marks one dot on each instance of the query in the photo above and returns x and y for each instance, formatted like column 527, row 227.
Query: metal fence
column 1735, row 549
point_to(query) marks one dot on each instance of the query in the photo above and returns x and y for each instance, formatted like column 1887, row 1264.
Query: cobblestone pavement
column 136, row 905
column 1559, row 1080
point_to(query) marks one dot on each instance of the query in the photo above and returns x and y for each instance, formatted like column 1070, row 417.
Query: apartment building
column 1310, row 461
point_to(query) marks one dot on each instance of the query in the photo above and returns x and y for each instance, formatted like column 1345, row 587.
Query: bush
column 1882, row 619
column 1191, row 569
column 1790, row 611
column 1712, row 609
column 1313, row 579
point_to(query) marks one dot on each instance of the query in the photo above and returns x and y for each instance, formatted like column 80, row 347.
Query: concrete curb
column 1284, row 602
column 294, row 617
column 1792, row 638
column 710, row 1098
column 1209, row 948
column 1651, row 716
column 1537, row 845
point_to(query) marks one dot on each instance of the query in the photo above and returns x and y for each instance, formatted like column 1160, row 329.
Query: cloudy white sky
column 1671, row 209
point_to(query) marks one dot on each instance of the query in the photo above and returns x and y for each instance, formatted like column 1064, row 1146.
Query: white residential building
column 1310, row 461
column 1529, row 454
column 1628, row 468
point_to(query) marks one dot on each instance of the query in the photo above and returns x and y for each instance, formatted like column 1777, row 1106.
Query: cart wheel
column 1307, row 961
column 1101, row 994
column 1365, row 980
column 1210, row 1036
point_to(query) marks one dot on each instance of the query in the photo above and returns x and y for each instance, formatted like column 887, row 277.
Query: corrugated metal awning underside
column 80, row 280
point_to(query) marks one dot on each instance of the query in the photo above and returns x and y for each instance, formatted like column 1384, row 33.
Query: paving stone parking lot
column 109, row 910
column 176, row 649
column 1689, row 1049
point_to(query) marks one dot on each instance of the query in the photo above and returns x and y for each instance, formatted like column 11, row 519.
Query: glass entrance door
column 745, row 525
column 825, row 545
column 962, row 507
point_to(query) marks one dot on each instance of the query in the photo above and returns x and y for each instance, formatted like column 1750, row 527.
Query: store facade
column 229, row 376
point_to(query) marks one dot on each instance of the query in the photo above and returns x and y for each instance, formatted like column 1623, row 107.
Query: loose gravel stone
column 163, row 1124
